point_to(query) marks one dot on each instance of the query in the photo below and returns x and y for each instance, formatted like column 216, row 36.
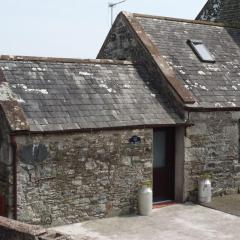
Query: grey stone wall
column 212, row 145
column 5, row 165
column 68, row 178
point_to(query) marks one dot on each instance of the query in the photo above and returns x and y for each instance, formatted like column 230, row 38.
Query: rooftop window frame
column 203, row 54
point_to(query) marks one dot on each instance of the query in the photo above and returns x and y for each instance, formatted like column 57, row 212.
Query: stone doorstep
column 163, row 204
column 51, row 235
column 20, row 227
column 37, row 232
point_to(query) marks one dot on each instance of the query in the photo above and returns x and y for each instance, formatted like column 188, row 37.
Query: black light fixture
column 135, row 140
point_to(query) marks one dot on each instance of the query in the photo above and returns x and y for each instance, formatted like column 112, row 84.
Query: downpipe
column 14, row 172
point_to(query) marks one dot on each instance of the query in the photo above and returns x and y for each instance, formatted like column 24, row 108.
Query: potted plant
column 145, row 198
column 205, row 188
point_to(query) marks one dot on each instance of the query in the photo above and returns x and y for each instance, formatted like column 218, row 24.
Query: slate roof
column 213, row 85
column 63, row 94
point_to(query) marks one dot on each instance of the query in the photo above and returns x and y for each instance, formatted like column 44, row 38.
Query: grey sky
column 72, row 28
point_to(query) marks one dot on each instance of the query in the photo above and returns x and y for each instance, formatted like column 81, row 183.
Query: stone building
column 224, row 11
column 77, row 137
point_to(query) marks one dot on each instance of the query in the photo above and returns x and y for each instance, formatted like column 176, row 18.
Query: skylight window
column 201, row 51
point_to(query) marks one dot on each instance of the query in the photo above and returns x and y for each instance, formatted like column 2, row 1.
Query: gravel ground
column 228, row 204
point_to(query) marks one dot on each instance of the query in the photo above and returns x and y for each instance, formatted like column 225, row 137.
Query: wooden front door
column 163, row 164
column 2, row 206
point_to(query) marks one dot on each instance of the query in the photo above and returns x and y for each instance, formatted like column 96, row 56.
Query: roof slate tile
column 67, row 96
column 205, row 80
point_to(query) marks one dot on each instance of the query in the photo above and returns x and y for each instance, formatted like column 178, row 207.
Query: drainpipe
column 14, row 171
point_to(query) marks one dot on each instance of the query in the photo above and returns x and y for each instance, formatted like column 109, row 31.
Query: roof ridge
column 217, row 24
column 65, row 60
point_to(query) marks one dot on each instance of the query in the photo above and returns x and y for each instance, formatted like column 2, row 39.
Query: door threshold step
column 163, row 204
column 162, row 201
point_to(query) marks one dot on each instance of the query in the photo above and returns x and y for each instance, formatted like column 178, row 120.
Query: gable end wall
column 224, row 11
column 122, row 43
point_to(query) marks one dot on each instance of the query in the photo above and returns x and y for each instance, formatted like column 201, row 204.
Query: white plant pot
column 204, row 191
column 145, row 201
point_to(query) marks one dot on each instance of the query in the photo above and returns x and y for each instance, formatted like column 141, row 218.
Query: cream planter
column 145, row 201
column 204, row 191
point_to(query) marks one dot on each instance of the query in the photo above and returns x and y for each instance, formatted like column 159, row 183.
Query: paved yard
column 229, row 204
column 176, row 222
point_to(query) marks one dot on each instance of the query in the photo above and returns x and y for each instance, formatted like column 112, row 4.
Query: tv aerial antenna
column 112, row 5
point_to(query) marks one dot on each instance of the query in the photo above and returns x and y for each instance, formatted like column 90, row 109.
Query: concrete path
column 176, row 222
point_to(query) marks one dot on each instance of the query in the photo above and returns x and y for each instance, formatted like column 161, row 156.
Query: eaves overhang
column 10, row 107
